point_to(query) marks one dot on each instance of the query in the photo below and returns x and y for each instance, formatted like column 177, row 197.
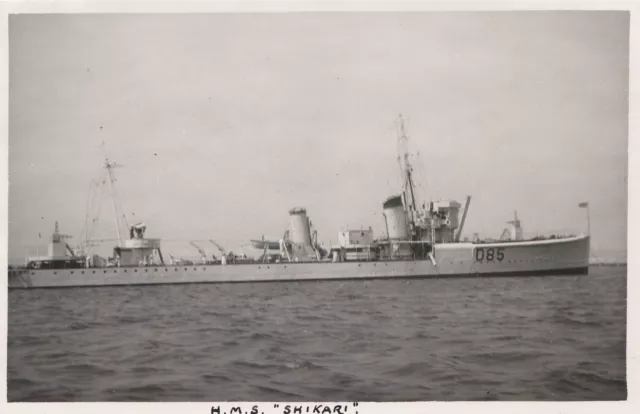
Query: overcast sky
column 224, row 122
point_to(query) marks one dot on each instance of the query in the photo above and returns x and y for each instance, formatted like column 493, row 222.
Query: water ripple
column 555, row 338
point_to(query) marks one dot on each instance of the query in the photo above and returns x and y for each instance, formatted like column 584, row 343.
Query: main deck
column 552, row 257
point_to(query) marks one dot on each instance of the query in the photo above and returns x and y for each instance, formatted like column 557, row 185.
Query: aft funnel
column 299, row 235
column 299, row 228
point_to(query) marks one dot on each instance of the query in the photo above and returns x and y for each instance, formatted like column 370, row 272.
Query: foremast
column 109, row 166
column 137, row 250
column 407, row 170
column 408, row 190
column 425, row 227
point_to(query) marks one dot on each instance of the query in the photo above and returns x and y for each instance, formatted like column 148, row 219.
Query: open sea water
column 531, row 338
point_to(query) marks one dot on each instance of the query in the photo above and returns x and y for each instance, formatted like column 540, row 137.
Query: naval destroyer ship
column 420, row 241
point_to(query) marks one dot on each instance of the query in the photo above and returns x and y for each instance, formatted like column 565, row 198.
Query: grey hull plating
column 543, row 257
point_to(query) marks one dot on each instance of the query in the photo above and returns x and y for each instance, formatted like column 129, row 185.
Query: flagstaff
column 585, row 205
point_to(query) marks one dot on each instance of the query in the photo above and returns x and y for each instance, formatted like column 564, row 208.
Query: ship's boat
column 266, row 244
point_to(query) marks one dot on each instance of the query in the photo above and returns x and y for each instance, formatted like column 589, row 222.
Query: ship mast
column 407, row 169
column 109, row 167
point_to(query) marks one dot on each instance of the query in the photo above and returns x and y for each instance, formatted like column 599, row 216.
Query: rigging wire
column 98, row 196
column 413, row 158
column 120, row 211
column 422, row 172
column 96, row 190
column 94, row 186
column 84, row 231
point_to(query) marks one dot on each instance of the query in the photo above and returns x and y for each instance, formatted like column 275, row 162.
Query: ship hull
column 545, row 257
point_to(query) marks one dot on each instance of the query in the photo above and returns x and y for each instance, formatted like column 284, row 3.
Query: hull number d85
column 489, row 254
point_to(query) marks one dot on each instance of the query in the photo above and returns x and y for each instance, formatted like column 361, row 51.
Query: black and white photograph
column 327, row 206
